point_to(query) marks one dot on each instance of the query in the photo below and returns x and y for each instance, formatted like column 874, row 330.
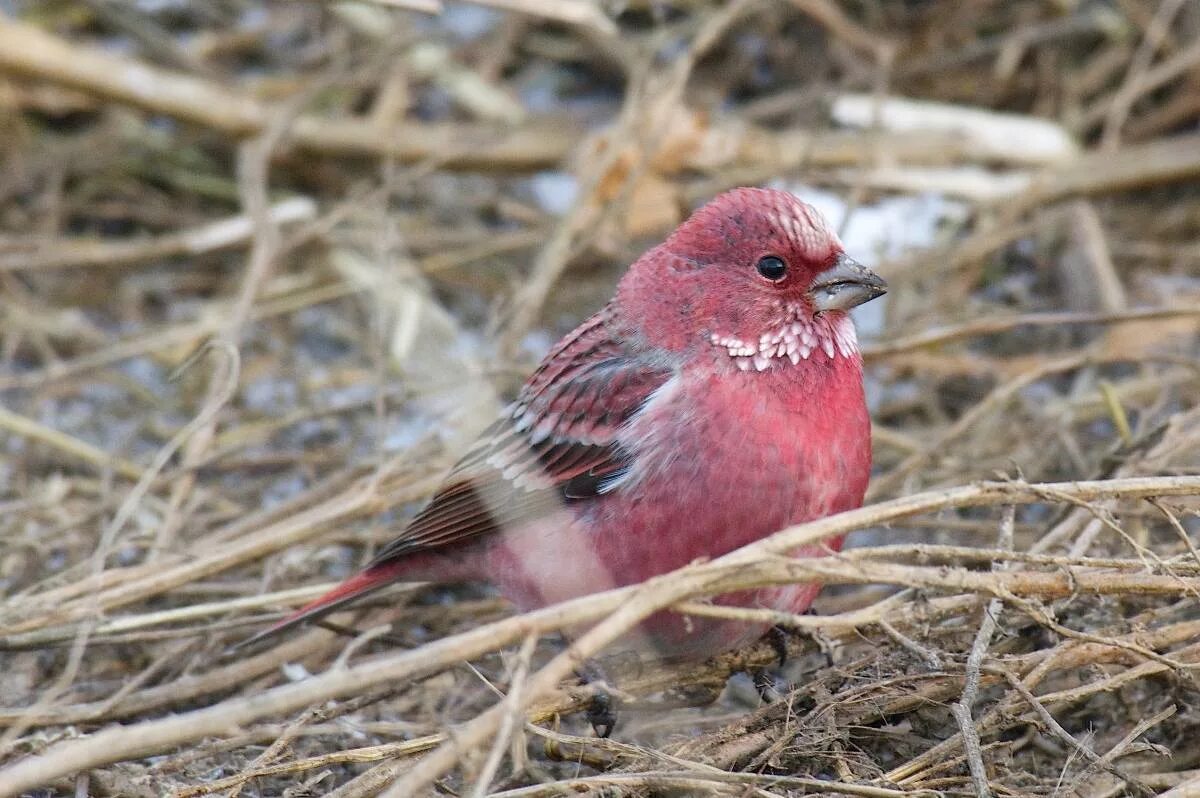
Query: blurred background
column 266, row 268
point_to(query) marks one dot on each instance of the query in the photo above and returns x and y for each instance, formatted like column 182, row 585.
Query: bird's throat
column 794, row 338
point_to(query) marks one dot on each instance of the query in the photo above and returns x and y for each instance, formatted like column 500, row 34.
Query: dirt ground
column 266, row 268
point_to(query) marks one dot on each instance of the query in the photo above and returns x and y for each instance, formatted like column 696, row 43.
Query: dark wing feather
column 557, row 442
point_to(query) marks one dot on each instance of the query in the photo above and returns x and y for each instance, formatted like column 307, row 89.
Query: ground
column 265, row 268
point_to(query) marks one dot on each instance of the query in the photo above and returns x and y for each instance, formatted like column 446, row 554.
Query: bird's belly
column 698, row 490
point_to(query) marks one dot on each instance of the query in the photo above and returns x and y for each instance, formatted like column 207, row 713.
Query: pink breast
column 721, row 463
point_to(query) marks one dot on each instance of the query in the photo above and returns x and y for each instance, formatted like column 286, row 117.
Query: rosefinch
column 716, row 399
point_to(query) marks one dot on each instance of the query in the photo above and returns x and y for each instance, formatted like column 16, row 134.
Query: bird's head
column 755, row 275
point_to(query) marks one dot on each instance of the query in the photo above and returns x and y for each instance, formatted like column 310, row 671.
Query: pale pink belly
column 552, row 562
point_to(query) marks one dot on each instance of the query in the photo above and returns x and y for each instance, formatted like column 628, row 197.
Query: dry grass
column 265, row 267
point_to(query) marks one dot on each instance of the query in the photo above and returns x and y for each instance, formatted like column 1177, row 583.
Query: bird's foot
column 768, row 681
column 601, row 712
column 602, row 703
column 777, row 637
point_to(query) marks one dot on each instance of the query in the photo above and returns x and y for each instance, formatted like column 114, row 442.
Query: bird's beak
column 846, row 285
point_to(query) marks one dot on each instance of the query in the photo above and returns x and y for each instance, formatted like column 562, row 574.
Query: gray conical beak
column 846, row 285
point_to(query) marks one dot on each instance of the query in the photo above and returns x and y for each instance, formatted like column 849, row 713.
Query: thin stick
column 189, row 612
column 291, row 529
column 1082, row 748
column 649, row 597
column 831, row 16
column 572, row 12
column 993, row 401
column 694, row 780
column 621, row 609
column 30, row 51
column 937, row 336
column 103, row 252
column 1132, row 87
column 513, row 718
column 1168, row 160
column 962, row 709
column 930, row 657
column 28, row 428
column 181, row 335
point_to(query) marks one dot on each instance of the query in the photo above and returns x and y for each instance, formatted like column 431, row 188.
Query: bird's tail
column 356, row 587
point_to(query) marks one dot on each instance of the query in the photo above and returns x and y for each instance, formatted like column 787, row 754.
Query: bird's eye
column 772, row 268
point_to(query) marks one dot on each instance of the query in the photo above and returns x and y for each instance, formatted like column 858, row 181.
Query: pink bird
column 716, row 399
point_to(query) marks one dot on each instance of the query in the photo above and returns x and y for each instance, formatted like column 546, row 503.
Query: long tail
column 354, row 588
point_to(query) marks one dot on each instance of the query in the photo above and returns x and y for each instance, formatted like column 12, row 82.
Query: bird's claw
column 602, row 713
column 766, row 683
column 777, row 637
column 601, row 709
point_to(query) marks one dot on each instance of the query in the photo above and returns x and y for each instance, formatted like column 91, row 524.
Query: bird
column 715, row 399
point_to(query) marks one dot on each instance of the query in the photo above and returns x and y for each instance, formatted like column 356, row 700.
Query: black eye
column 772, row 268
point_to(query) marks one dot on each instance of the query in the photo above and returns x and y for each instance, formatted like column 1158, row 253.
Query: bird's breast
column 722, row 459
column 718, row 460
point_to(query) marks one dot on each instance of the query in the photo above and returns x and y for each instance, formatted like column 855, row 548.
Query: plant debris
column 266, row 268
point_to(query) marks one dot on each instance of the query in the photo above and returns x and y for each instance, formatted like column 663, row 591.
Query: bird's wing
column 556, row 443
